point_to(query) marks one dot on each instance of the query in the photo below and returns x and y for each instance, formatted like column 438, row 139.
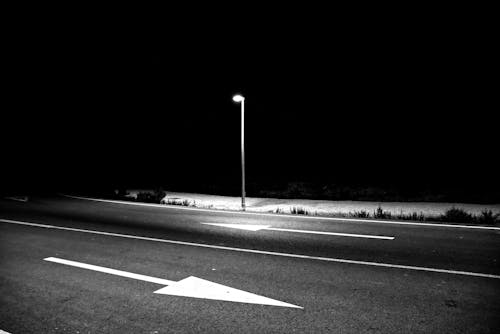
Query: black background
column 332, row 96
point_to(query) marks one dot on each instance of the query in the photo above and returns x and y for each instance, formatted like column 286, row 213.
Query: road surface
column 69, row 265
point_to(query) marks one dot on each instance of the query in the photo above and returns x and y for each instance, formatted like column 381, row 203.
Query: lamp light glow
column 238, row 98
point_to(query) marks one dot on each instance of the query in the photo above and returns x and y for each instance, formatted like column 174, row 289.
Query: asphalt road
column 428, row 279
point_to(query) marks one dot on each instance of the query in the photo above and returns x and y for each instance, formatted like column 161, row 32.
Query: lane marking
column 191, row 286
column 3, row 332
column 254, row 251
column 19, row 199
column 177, row 207
column 255, row 228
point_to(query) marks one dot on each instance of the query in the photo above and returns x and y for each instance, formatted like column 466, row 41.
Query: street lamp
column 238, row 98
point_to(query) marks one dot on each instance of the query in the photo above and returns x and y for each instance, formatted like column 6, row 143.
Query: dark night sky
column 378, row 102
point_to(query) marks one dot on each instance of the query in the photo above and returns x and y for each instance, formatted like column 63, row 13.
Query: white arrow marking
column 188, row 287
column 269, row 228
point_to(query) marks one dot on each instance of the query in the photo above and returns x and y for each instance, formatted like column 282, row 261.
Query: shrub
column 151, row 197
column 417, row 216
column 379, row 213
column 455, row 215
column 487, row 217
column 145, row 197
column 360, row 214
column 120, row 193
column 299, row 211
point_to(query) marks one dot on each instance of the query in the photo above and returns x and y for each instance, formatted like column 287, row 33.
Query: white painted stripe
column 177, row 207
column 332, row 233
column 255, row 228
column 111, row 271
column 3, row 332
column 19, row 199
column 253, row 251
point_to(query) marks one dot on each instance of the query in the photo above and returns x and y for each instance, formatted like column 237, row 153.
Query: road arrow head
column 199, row 288
column 247, row 227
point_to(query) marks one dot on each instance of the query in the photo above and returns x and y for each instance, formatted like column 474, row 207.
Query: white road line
column 255, row 228
column 19, row 199
column 111, row 271
column 177, row 207
column 333, row 233
column 3, row 332
column 253, row 251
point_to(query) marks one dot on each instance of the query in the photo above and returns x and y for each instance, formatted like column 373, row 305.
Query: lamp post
column 238, row 98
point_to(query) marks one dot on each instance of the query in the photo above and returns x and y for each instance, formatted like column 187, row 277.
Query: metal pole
column 243, row 154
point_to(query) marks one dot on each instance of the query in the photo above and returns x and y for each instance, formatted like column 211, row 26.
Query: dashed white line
column 254, row 251
column 18, row 199
column 255, row 228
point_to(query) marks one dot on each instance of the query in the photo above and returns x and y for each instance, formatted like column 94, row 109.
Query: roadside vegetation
column 178, row 201
column 452, row 215
column 151, row 197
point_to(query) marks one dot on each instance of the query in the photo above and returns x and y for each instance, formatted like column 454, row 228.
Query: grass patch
column 453, row 215
column 178, row 201
column 414, row 216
